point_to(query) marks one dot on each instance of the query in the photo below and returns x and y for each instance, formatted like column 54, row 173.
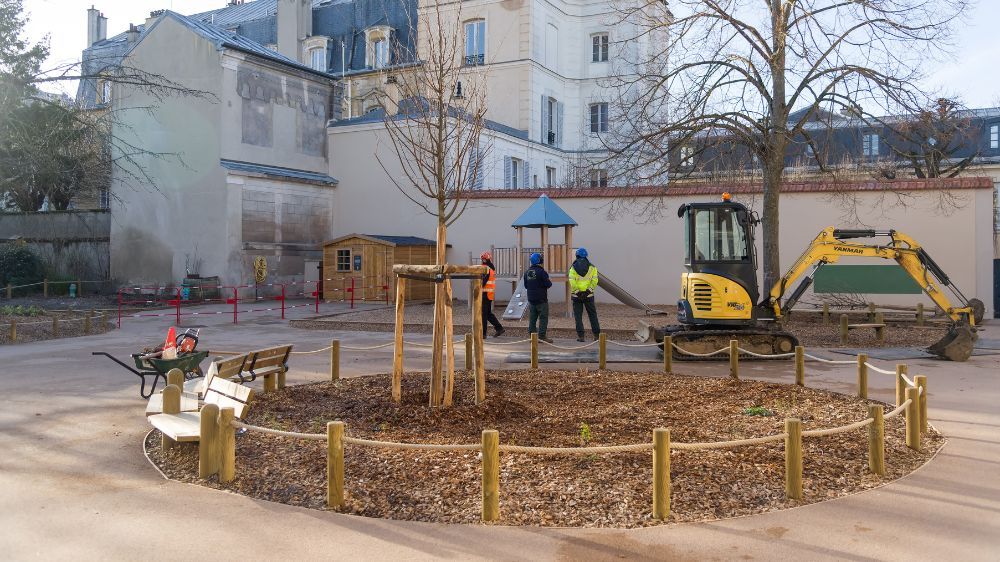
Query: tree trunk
column 438, row 330
column 771, row 227
column 775, row 142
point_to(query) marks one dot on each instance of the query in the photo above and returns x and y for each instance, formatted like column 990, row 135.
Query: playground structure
column 511, row 263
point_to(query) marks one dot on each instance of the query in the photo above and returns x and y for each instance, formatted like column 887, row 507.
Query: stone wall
column 72, row 244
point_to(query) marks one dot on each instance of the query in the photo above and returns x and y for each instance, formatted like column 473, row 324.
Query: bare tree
column 435, row 113
column 934, row 139
column 737, row 69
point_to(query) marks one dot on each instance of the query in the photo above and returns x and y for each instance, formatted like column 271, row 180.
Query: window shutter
column 545, row 119
column 559, row 123
column 507, row 164
column 525, row 174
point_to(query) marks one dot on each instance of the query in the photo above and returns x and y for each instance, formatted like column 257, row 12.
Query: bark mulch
column 561, row 409
column 39, row 327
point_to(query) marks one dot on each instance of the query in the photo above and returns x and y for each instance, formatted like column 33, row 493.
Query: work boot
column 499, row 332
column 544, row 339
column 579, row 338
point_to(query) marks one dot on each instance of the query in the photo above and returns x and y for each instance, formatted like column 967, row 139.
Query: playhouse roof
column 544, row 212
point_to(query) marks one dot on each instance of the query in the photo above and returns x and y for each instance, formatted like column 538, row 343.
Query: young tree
column 737, row 69
column 435, row 113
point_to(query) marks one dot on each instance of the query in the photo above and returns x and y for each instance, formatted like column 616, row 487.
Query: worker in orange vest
column 489, row 292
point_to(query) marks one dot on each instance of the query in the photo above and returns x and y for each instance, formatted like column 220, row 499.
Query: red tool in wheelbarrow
column 154, row 364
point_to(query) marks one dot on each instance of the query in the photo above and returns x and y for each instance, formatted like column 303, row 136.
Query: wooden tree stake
column 335, row 363
column 661, row 473
column 208, row 441
column 734, row 359
column 397, row 355
column 436, row 394
column 921, row 382
column 793, row 458
column 862, row 375
column 913, row 418
column 477, row 339
column 335, row 464
column 449, row 335
column 876, row 440
column 491, row 475
column 468, row 352
column 800, row 365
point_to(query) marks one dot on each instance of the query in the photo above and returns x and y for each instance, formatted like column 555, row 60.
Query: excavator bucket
column 957, row 344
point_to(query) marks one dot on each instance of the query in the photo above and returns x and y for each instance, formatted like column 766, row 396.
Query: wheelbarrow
column 156, row 367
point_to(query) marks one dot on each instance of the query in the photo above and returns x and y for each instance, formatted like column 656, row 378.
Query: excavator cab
column 719, row 285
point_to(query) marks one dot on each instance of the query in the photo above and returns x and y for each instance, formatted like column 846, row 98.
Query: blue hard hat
column 581, row 252
column 535, row 258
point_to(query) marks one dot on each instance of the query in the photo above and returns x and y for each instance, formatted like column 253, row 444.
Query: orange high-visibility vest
column 491, row 284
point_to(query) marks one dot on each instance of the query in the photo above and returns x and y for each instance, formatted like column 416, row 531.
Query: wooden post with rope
column 862, row 375
column 913, row 418
column 208, row 441
column 734, row 359
column 534, row 350
column 876, row 440
column 227, row 445
column 668, row 354
column 800, row 365
column 335, row 464
column 920, row 314
column 793, row 458
column 602, row 351
column 900, row 384
column 491, row 475
column 335, row 362
column 921, row 382
column 661, row 473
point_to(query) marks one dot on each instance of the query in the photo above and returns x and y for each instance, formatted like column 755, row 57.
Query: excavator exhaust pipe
column 957, row 344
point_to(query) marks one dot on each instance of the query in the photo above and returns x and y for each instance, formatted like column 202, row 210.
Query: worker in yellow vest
column 489, row 292
column 582, row 283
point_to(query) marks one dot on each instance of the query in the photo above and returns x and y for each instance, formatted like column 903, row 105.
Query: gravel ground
column 807, row 327
column 550, row 408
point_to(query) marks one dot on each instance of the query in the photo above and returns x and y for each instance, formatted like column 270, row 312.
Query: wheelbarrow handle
column 116, row 360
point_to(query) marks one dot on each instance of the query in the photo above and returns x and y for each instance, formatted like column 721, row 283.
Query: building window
column 105, row 201
column 475, row 42
column 515, row 167
column 380, row 59
column 994, row 137
column 869, row 144
column 552, row 111
column 550, row 176
column 106, row 86
column 343, row 260
column 599, row 117
column 598, row 178
column 600, row 50
column 686, row 152
column 317, row 59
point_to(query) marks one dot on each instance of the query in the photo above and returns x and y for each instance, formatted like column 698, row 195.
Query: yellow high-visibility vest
column 588, row 282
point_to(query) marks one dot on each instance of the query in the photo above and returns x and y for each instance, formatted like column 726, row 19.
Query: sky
column 970, row 74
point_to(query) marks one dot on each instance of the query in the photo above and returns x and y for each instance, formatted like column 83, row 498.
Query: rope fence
column 87, row 318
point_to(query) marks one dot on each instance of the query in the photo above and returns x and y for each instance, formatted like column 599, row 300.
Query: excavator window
column 719, row 235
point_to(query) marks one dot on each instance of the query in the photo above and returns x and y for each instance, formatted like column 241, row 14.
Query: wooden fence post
column 171, row 405
column 86, row 323
column 871, row 312
column 734, row 359
column 45, row 287
column 880, row 331
column 920, row 314
column 468, row 352
column 491, row 475
column 534, row 350
column 477, row 339
column 397, row 355
column 900, row 384
column 208, row 441
column 921, row 382
column 176, row 378
column 602, row 351
column 826, row 313
column 55, row 326
column 800, row 365
column 862, row 375
column 335, row 361
column 913, row 418
column 13, row 331
column 876, row 440
column 661, row 473
column 104, row 322
column 793, row 458
column 10, row 291
column 843, row 329
column 335, row 464
column 668, row 354
column 227, row 445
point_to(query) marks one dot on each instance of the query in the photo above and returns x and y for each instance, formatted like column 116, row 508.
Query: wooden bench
column 179, row 426
column 271, row 364
column 878, row 326
column 194, row 389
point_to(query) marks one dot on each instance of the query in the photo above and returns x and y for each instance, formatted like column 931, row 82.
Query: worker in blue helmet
column 582, row 283
column 537, row 283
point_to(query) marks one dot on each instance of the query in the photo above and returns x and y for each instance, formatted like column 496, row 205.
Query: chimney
column 97, row 26
column 294, row 25
column 132, row 35
column 153, row 16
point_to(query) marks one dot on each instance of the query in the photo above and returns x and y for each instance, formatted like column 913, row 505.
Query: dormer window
column 377, row 53
column 316, row 53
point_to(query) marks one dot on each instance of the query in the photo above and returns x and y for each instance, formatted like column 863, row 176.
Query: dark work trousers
column 538, row 318
column 489, row 317
column 578, row 307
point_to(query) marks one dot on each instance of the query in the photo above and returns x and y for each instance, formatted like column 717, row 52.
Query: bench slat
column 185, row 426
column 222, row 401
column 231, row 389
column 189, row 403
column 851, row 326
column 231, row 367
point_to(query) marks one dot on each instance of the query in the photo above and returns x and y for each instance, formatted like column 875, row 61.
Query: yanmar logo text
column 848, row 250
column 736, row 305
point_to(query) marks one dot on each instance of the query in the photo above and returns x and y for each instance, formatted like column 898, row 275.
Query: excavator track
column 762, row 341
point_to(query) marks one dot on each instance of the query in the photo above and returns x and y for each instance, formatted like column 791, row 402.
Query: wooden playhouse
column 367, row 260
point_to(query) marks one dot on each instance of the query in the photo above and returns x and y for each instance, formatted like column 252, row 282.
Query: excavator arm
column 832, row 244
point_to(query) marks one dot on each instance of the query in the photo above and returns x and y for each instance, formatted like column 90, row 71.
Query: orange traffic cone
column 170, row 345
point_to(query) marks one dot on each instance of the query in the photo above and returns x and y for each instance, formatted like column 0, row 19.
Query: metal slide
column 622, row 295
column 518, row 302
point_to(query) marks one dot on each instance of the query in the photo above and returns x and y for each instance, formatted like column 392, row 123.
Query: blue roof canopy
column 544, row 212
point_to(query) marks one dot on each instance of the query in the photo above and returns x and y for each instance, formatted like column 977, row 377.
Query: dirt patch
column 561, row 409
column 35, row 324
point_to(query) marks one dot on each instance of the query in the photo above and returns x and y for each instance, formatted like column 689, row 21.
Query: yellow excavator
column 719, row 293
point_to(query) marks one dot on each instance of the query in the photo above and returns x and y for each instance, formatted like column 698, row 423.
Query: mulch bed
column 39, row 327
column 549, row 408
